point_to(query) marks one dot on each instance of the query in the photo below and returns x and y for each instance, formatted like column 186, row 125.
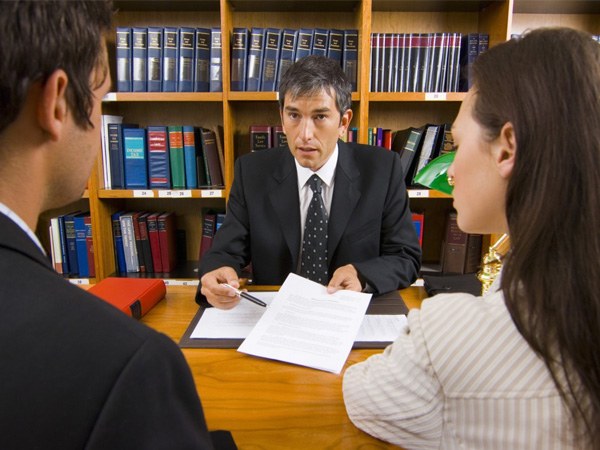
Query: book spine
column 176, row 158
column 320, row 42
column 185, row 78
column 57, row 260
column 271, row 59
column 208, row 232
column 135, row 158
column 189, row 156
column 201, row 160
column 115, row 156
column 140, row 59
column 255, row 59
column 64, row 250
column 81, row 246
column 158, row 158
column 239, row 56
column 137, row 237
column 216, row 77
column 154, row 242
column 89, row 243
column 167, row 240
column 129, row 249
column 279, row 137
column 335, row 45
column 124, row 57
column 69, row 222
column 155, row 59
column 260, row 137
column 121, row 266
column 209, row 146
column 288, row 52
column 170, row 60
column 303, row 43
column 202, row 60
column 350, row 57
column 145, row 242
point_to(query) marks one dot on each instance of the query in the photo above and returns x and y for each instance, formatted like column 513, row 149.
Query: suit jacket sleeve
column 399, row 258
column 153, row 403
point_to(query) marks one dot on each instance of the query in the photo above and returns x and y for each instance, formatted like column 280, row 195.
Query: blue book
column 123, row 52
column 202, row 60
column 320, row 42
column 159, row 169
column 80, row 244
column 135, row 158
column 189, row 157
column 140, row 59
column 170, row 49
column 120, row 266
column 69, row 222
column 185, row 79
column 239, row 58
column 255, row 59
column 350, row 57
column 216, row 76
column 304, row 43
column 155, row 59
column 335, row 45
column 115, row 150
column 63, row 245
column 271, row 59
column 287, row 56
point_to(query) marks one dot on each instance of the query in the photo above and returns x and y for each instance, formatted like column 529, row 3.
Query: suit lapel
column 14, row 238
column 345, row 196
column 285, row 203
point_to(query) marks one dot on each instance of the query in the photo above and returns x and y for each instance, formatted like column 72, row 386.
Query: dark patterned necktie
column 314, row 245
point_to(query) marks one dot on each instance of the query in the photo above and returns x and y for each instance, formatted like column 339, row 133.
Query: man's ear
column 505, row 150
column 52, row 107
column 345, row 122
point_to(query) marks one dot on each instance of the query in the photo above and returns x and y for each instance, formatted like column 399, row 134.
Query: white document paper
column 381, row 328
column 304, row 325
column 235, row 323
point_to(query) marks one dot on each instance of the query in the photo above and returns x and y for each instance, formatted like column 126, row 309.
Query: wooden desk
column 267, row 404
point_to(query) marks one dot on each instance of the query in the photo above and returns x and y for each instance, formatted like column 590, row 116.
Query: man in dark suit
column 75, row 372
column 371, row 241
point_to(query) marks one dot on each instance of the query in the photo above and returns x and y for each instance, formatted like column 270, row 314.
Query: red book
column 208, row 231
column 168, row 241
column 89, row 243
column 134, row 296
column 154, row 242
column 260, row 137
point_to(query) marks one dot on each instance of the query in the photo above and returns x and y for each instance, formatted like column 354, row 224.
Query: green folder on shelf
column 434, row 174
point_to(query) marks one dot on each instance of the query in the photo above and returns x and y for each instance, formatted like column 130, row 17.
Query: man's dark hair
column 313, row 74
column 38, row 37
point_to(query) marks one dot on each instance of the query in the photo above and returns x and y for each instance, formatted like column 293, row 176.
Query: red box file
column 134, row 296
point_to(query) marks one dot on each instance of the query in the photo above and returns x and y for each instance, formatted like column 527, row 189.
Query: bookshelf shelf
column 162, row 193
column 236, row 111
column 163, row 97
column 416, row 96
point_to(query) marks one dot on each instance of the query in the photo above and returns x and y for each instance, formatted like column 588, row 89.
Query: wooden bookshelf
column 235, row 111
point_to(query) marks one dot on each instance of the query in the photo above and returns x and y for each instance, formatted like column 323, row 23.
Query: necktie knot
column 315, row 184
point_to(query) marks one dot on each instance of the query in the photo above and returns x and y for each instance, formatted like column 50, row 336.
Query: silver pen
column 245, row 295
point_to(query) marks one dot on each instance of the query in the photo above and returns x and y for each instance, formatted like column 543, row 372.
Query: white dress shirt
column 21, row 223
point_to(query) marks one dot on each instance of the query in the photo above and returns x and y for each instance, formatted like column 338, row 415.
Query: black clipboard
column 390, row 303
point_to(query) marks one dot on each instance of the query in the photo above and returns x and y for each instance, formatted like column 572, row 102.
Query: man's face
column 313, row 125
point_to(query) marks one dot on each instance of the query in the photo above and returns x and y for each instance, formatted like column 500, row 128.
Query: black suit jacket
column 77, row 373
column 370, row 224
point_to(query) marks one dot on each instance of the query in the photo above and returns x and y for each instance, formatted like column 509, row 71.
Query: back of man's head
column 313, row 74
column 38, row 37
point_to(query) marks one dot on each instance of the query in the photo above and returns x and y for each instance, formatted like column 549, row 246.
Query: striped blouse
column 460, row 376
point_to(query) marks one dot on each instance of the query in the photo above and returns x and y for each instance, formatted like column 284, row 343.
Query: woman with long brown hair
column 520, row 366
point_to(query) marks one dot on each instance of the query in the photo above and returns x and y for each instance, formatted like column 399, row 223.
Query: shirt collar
column 326, row 173
column 21, row 223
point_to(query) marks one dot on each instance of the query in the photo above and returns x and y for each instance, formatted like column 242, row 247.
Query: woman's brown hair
column 547, row 84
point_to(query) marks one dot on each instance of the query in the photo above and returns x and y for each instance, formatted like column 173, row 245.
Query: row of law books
column 161, row 157
column 71, row 245
column 260, row 56
column 263, row 137
column 417, row 146
column 419, row 62
column 169, row 59
column 144, row 242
